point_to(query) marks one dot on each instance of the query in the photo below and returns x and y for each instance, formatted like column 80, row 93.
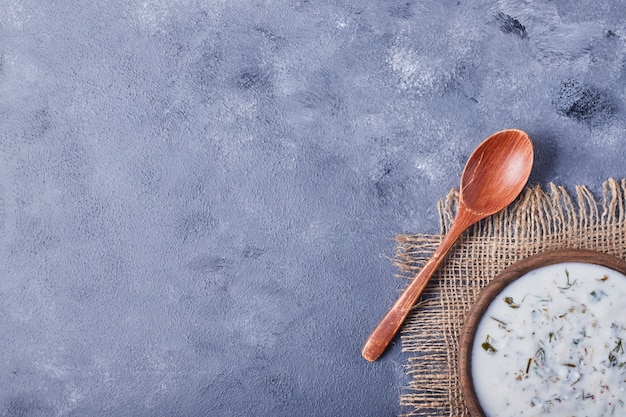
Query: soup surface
column 553, row 343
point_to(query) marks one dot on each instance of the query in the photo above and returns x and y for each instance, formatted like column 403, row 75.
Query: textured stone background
column 198, row 198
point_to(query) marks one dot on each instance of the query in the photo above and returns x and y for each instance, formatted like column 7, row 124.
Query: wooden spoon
column 494, row 175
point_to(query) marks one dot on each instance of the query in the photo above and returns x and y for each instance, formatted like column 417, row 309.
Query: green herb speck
column 488, row 346
column 510, row 302
column 569, row 283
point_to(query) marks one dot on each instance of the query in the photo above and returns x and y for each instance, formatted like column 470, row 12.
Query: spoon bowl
column 496, row 172
column 494, row 175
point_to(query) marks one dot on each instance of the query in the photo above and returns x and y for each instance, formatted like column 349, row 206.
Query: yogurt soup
column 553, row 343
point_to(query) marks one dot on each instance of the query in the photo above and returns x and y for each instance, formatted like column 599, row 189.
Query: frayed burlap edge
column 538, row 221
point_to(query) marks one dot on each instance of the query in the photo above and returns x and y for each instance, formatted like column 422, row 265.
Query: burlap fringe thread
column 539, row 221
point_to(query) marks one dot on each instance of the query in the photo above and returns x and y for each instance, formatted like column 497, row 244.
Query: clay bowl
column 492, row 291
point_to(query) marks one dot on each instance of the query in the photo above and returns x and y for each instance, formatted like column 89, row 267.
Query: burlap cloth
column 538, row 221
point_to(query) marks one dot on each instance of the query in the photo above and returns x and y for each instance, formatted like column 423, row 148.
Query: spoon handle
column 384, row 333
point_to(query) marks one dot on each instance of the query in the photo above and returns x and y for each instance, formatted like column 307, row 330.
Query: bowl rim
column 496, row 286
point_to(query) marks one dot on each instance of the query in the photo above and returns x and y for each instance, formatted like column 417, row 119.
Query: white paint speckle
column 14, row 15
column 415, row 71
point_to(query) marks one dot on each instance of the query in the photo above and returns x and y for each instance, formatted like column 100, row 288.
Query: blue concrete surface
column 198, row 198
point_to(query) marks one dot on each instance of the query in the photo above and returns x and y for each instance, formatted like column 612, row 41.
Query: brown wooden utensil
column 494, row 176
